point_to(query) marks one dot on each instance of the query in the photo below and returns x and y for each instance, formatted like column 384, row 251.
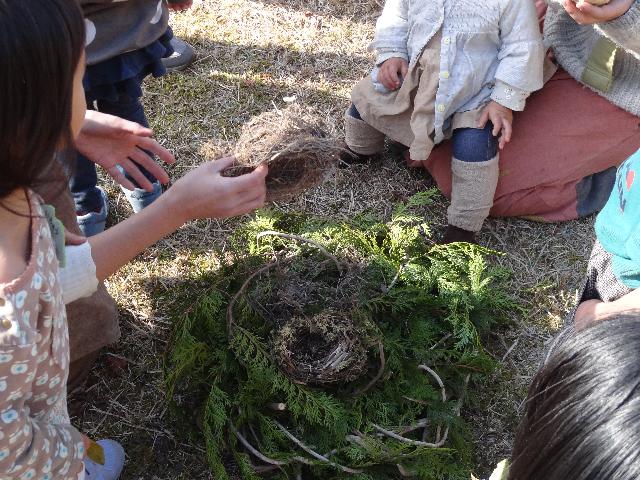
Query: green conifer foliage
column 420, row 310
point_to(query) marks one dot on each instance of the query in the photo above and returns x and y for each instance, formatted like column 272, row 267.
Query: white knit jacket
column 490, row 49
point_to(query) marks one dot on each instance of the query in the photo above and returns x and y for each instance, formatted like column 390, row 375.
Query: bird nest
column 295, row 145
column 306, row 301
column 321, row 349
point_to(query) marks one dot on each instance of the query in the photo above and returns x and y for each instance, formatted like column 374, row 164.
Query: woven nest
column 294, row 143
column 322, row 349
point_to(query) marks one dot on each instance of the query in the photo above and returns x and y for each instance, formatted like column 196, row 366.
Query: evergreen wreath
column 335, row 349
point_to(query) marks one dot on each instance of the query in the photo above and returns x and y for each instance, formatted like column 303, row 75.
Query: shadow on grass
column 232, row 83
column 356, row 10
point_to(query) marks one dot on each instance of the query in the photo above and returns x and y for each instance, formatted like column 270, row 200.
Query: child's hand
column 180, row 6
column 205, row 193
column 111, row 141
column 592, row 311
column 392, row 72
column 587, row 313
column 73, row 239
column 584, row 13
column 502, row 119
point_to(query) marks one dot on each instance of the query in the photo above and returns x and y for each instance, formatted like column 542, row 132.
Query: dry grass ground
column 252, row 54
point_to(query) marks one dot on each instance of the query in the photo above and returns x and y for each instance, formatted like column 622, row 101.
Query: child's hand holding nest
column 205, row 193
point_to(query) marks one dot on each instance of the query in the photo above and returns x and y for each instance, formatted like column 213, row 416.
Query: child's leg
column 360, row 137
column 90, row 201
column 131, row 109
column 475, row 177
column 82, row 184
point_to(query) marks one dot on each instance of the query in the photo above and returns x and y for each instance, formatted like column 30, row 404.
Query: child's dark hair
column 582, row 416
column 41, row 43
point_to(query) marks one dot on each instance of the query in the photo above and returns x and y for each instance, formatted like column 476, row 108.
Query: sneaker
column 113, row 462
column 139, row 198
column 93, row 223
column 183, row 55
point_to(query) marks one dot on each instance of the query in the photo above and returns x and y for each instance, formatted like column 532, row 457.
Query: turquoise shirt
column 618, row 224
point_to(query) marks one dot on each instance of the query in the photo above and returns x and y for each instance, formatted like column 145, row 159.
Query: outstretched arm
column 202, row 193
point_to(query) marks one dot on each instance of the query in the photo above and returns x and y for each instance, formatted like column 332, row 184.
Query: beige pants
column 473, row 187
column 407, row 116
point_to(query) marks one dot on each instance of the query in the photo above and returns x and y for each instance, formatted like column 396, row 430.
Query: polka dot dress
column 36, row 438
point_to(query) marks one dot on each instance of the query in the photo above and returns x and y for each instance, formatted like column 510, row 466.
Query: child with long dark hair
column 126, row 42
column 582, row 415
column 42, row 109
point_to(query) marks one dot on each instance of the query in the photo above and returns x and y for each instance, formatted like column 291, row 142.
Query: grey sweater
column 572, row 45
column 116, row 27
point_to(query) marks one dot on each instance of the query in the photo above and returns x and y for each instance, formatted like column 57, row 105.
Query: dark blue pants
column 85, row 178
column 474, row 144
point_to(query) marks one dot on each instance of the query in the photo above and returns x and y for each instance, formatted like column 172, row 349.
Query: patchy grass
column 251, row 55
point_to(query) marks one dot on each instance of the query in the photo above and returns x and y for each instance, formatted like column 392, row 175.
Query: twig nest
column 322, row 349
column 293, row 142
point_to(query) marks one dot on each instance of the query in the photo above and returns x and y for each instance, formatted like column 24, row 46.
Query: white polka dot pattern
column 36, row 438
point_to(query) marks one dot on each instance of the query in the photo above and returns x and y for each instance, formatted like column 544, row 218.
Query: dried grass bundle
column 321, row 349
column 293, row 142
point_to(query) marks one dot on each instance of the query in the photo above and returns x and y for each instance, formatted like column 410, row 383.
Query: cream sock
column 361, row 137
column 472, row 191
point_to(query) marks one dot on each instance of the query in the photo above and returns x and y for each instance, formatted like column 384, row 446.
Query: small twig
column 415, row 400
column 437, row 378
column 300, row 239
column 234, row 299
column 395, row 279
column 277, row 407
column 440, row 440
column 332, row 453
column 422, row 423
column 357, row 439
column 417, row 443
column 404, row 472
column 313, row 453
column 514, row 345
column 443, row 392
column 378, row 375
column 458, row 408
column 165, row 433
column 255, row 452
column 441, row 341
column 439, row 432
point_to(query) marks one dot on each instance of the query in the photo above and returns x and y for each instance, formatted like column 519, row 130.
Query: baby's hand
column 502, row 119
column 392, row 72
column 588, row 12
column 180, row 5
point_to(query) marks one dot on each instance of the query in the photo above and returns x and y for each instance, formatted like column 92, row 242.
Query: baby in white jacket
column 450, row 69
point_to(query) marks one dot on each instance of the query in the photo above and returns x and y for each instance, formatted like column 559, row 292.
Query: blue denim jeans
column 84, row 179
column 474, row 144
